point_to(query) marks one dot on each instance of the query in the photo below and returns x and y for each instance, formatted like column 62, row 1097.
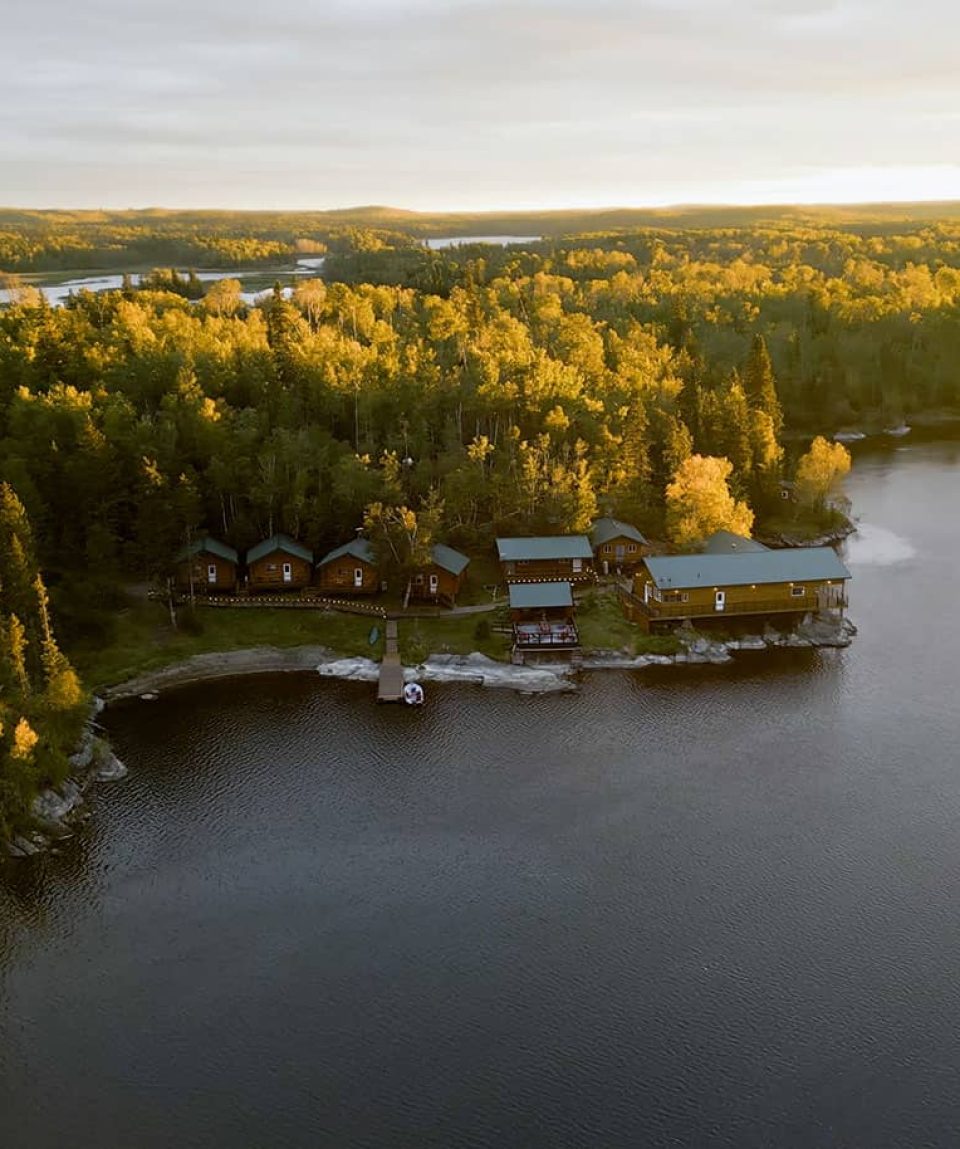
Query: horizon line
column 680, row 206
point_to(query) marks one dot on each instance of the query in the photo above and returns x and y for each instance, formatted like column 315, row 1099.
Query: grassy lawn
column 602, row 626
column 144, row 640
column 421, row 637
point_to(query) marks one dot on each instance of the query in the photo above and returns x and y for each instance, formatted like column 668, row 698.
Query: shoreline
column 220, row 664
column 57, row 811
column 474, row 668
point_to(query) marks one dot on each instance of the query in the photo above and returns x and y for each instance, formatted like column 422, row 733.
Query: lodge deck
column 636, row 610
column 390, row 685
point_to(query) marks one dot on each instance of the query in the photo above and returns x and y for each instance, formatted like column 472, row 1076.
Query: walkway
column 390, row 686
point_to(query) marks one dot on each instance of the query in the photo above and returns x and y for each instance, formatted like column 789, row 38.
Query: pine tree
column 761, row 385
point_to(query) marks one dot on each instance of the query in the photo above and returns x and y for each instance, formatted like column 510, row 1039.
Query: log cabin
column 209, row 565
column 740, row 584
column 617, row 546
column 440, row 579
column 279, row 563
column 542, row 616
column 546, row 558
column 349, row 570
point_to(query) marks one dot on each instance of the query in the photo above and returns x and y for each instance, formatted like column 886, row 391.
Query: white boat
column 849, row 436
column 903, row 429
column 413, row 694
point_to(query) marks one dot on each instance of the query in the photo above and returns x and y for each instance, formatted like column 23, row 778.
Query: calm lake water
column 711, row 906
column 58, row 293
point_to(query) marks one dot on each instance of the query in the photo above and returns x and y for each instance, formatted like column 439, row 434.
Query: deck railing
column 802, row 604
column 566, row 636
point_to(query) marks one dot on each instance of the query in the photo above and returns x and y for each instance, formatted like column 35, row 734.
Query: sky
column 477, row 104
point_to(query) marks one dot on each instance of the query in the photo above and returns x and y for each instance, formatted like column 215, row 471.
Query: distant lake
column 57, row 293
column 691, row 906
column 438, row 244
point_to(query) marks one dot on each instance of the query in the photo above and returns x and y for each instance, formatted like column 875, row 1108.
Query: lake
column 687, row 906
column 440, row 243
column 57, row 293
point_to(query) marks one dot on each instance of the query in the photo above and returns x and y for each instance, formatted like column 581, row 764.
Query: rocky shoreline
column 57, row 812
column 827, row 539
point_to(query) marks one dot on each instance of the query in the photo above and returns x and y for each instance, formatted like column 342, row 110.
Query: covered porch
column 542, row 616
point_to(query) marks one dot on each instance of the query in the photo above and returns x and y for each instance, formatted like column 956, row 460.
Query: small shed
column 279, row 563
column 350, row 569
column 206, row 566
column 440, row 579
column 617, row 546
column 542, row 615
column 546, row 557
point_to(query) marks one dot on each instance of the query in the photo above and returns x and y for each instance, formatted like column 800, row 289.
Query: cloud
column 465, row 102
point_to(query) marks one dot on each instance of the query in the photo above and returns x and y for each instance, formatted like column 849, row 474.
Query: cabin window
column 271, row 566
column 418, row 579
column 798, row 591
column 631, row 548
column 676, row 596
column 607, row 548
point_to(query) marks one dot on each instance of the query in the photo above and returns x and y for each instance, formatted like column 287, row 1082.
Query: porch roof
column 540, row 595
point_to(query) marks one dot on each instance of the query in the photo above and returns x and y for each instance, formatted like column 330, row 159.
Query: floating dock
column 390, row 686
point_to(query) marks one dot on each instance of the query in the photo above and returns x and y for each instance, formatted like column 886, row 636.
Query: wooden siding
column 226, row 574
column 536, row 570
column 339, row 576
column 267, row 572
column 617, row 552
column 447, row 584
column 763, row 598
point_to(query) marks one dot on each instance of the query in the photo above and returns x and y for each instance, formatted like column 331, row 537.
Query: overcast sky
column 445, row 104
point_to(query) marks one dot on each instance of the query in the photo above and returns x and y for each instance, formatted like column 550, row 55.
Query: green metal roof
column 359, row 549
column 727, row 543
column 793, row 564
column 539, row 595
column 279, row 543
column 448, row 559
column 207, row 545
column 544, row 547
column 605, row 529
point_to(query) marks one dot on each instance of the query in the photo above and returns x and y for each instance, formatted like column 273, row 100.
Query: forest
column 486, row 390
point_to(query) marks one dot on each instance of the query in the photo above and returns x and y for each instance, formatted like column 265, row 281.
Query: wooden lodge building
column 547, row 558
column 738, row 578
column 279, row 563
column 349, row 570
column 440, row 579
column 206, row 566
column 542, row 616
column 617, row 547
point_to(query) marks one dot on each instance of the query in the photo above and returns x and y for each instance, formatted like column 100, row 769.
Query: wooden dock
column 390, row 686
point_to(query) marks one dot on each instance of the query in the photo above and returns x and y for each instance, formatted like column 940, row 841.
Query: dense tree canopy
column 522, row 390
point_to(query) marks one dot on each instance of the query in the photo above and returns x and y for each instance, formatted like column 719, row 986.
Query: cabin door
column 619, row 555
column 577, row 566
column 287, row 572
column 357, row 578
column 211, row 574
column 434, row 583
column 720, row 600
